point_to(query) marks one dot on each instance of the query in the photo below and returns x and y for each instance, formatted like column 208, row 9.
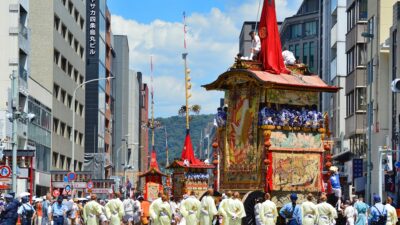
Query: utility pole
column 15, row 109
column 370, row 36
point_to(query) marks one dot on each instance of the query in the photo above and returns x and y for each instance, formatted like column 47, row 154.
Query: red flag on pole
column 271, row 49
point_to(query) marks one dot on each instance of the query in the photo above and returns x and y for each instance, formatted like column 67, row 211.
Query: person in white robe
column 326, row 212
column 350, row 213
column 268, row 212
column 154, row 211
column 309, row 211
column 223, row 208
column 236, row 210
column 208, row 209
column 115, row 210
column 391, row 212
column 165, row 216
column 190, row 209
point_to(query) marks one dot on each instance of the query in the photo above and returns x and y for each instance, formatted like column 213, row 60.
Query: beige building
column 378, row 80
column 58, row 65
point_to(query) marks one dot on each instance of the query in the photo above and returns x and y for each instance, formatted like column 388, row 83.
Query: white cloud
column 212, row 41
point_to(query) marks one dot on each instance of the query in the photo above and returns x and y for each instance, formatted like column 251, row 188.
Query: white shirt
column 288, row 57
column 256, row 43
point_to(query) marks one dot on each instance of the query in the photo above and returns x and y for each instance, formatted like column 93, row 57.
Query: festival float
column 153, row 177
column 271, row 136
column 189, row 174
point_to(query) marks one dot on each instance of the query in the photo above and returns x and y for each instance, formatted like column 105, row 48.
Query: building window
column 64, row 64
column 63, row 96
column 350, row 60
column 361, row 54
column 297, row 51
column 296, row 31
column 69, row 101
column 350, row 104
column 68, row 163
column 361, row 98
column 55, row 125
column 312, row 54
column 362, row 10
column 70, row 38
column 291, row 48
column 305, row 53
column 56, row 90
column 62, row 129
column 56, row 23
column 351, row 17
column 82, row 23
column 63, row 30
column 42, row 153
column 62, row 161
column 56, row 57
column 310, row 28
column 55, row 159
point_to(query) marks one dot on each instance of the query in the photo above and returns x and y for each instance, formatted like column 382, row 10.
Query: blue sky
column 154, row 27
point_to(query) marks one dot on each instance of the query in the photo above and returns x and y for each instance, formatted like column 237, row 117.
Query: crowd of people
column 67, row 211
column 189, row 210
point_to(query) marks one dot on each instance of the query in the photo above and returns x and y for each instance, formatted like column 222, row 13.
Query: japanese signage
column 357, row 168
column 101, row 190
column 78, row 185
column 92, row 26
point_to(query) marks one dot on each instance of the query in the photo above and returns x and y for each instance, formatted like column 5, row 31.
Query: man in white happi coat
column 268, row 212
column 391, row 212
column 309, row 211
column 190, row 209
column 208, row 209
column 236, row 210
column 154, row 210
column 326, row 212
column 223, row 207
column 165, row 216
column 92, row 211
column 115, row 210
column 257, row 209
column 350, row 213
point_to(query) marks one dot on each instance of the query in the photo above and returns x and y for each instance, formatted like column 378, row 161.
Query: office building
column 126, row 91
column 99, row 100
column 380, row 19
column 134, row 125
column 57, row 66
column 355, row 87
column 334, row 28
column 301, row 35
column 15, row 41
column 121, row 134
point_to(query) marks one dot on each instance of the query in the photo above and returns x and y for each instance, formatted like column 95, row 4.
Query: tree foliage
column 176, row 130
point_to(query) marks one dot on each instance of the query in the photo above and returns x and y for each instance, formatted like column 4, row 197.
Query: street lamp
column 73, row 116
column 370, row 36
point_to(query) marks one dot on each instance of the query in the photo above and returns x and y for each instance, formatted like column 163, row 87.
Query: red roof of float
column 188, row 159
column 278, row 81
column 202, row 165
column 308, row 81
column 153, row 169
